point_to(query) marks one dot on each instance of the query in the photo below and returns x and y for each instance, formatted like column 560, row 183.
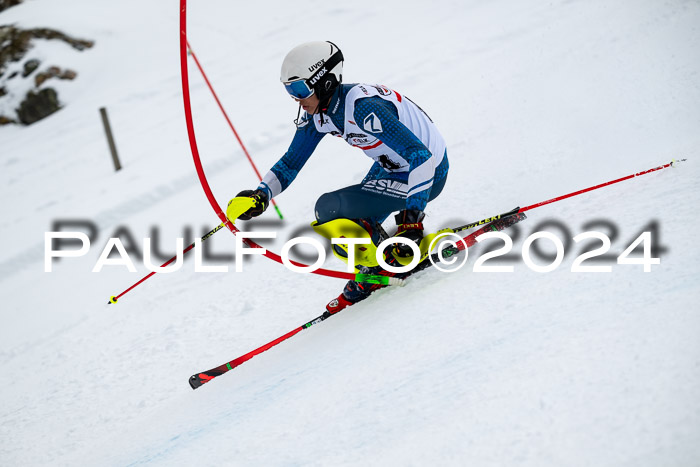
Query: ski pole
column 242, row 204
column 586, row 190
column 114, row 298
column 359, row 277
column 673, row 163
column 235, row 133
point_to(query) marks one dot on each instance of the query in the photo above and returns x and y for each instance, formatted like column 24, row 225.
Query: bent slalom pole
column 228, row 120
column 202, row 176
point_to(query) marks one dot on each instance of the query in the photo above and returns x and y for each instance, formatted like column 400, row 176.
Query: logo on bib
column 372, row 123
column 383, row 90
column 387, row 163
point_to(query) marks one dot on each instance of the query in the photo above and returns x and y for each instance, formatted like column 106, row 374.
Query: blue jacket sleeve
column 283, row 173
column 398, row 137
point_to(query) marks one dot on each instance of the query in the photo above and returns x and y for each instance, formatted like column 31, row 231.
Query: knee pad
column 364, row 254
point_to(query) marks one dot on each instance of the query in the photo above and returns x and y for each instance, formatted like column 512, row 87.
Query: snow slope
column 536, row 99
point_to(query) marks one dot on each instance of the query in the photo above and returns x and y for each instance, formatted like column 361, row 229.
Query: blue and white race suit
column 410, row 157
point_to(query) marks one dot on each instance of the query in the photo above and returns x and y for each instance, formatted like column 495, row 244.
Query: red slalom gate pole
column 200, row 170
column 205, row 185
column 228, row 120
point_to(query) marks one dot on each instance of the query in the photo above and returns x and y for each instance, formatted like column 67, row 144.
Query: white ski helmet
column 312, row 67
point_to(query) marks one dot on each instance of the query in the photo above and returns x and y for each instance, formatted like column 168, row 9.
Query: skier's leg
column 372, row 199
column 356, row 202
column 369, row 204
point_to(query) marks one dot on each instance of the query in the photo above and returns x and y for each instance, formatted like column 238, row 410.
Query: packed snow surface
column 535, row 99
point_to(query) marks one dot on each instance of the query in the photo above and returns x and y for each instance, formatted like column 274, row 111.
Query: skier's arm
column 399, row 138
column 283, row 173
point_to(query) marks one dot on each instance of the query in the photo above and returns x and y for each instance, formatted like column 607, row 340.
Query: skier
column 410, row 155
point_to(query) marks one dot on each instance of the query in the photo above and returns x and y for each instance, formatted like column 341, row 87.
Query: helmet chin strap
column 324, row 101
column 296, row 120
column 320, row 108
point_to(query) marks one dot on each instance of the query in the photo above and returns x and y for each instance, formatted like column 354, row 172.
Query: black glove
column 261, row 203
column 410, row 226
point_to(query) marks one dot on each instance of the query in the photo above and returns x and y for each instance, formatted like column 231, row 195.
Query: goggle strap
column 328, row 66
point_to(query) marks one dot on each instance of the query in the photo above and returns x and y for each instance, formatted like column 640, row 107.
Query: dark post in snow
column 110, row 139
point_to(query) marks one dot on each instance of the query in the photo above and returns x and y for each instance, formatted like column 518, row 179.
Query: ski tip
column 196, row 381
column 200, row 378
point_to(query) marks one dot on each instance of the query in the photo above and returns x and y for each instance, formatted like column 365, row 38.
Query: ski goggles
column 298, row 89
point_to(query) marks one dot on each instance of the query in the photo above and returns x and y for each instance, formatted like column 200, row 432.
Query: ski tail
column 496, row 226
column 503, row 222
